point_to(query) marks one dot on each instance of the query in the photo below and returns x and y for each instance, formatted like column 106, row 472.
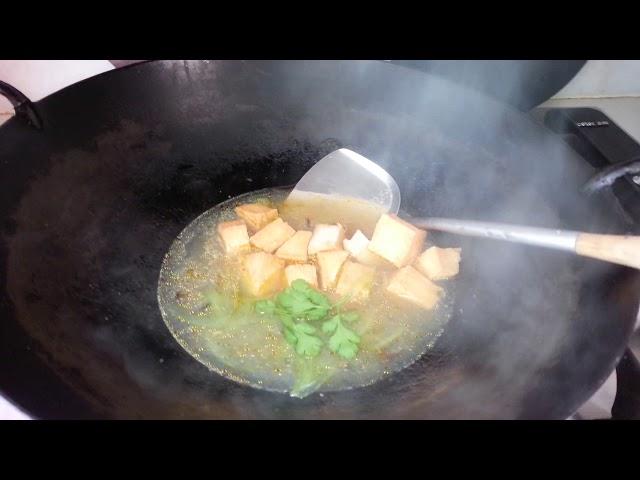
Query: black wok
column 91, row 202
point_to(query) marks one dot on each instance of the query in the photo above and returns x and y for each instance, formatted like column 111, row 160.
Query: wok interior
column 94, row 223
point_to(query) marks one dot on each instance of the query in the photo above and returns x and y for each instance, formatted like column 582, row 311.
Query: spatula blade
column 349, row 174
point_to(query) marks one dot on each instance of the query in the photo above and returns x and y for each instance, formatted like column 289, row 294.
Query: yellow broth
column 213, row 320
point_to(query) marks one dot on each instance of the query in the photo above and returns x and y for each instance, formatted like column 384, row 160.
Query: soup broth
column 206, row 310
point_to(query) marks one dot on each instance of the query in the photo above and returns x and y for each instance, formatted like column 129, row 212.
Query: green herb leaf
column 318, row 298
column 301, row 300
column 308, row 345
column 289, row 336
column 330, row 325
column 347, row 350
column 305, row 328
column 301, row 303
column 344, row 341
column 300, row 285
column 286, row 320
column 317, row 314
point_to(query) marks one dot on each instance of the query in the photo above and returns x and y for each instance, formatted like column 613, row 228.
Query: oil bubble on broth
column 206, row 311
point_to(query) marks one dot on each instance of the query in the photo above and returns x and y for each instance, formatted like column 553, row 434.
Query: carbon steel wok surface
column 90, row 205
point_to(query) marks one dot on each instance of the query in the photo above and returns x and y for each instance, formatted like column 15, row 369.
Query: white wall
column 39, row 78
column 604, row 78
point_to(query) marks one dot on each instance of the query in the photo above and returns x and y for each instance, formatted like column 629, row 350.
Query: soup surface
column 211, row 316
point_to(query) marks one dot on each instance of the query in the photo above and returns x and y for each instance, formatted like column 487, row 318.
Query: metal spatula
column 349, row 174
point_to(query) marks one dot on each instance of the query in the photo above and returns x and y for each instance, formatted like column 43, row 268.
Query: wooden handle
column 621, row 249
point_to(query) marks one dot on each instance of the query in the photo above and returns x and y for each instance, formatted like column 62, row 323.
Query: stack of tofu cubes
column 275, row 254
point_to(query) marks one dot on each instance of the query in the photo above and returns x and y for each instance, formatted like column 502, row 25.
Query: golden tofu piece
column 358, row 247
column 272, row 236
column 305, row 272
column 295, row 249
column 356, row 280
column 396, row 240
column 439, row 263
column 262, row 273
column 409, row 284
column 255, row 215
column 326, row 237
column 329, row 264
column 234, row 237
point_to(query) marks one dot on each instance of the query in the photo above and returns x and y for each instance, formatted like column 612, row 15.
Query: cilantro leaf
column 300, row 335
column 289, row 336
column 302, row 300
column 286, row 320
column 305, row 328
column 344, row 341
column 300, row 285
column 346, row 350
column 308, row 345
column 301, row 303
column 319, row 299
column 330, row 325
column 317, row 313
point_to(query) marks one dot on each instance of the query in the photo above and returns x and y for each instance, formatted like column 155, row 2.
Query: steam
column 457, row 156
column 514, row 336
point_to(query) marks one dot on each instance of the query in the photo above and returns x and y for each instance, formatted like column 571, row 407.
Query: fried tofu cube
column 295, row 249
column 272, row 236
column 326, row 237
column 305, row 272
column 396, row 240
column 234, row 237
column 329, row 264
column 356, row 280
column 256, row 216
column 356, row 244
column 358, row 247
column 439, row 263
column 262, row 273
column 409, row 284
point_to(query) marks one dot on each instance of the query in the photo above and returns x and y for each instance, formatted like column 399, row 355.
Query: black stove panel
column 602, row 143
